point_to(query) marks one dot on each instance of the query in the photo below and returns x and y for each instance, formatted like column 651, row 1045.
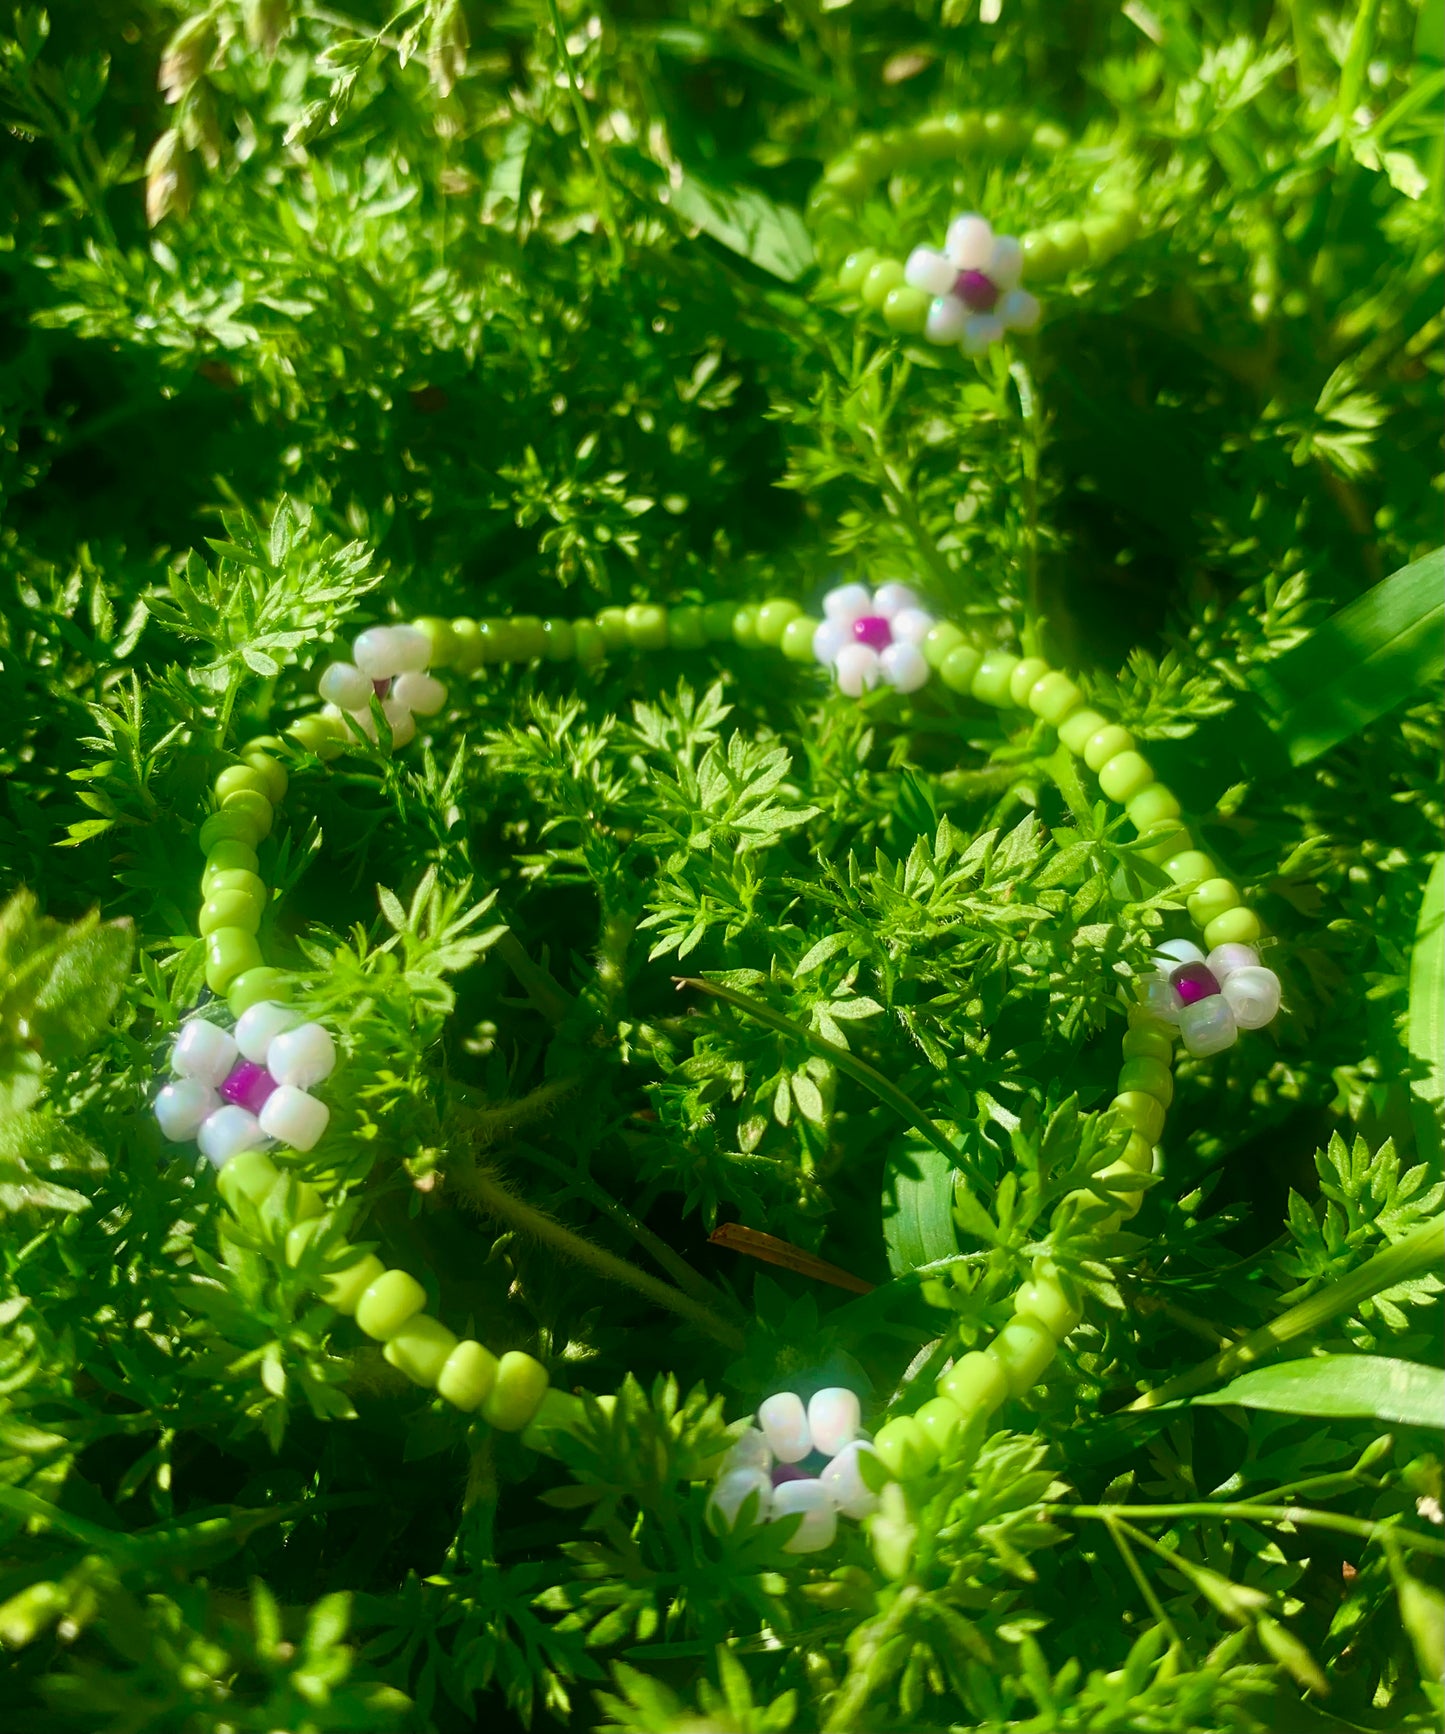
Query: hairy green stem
column 589, row 139
column 543, row 989
column 1301, row 1516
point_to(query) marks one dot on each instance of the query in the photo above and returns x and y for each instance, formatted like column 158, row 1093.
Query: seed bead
column 882, row 279
column 1212, row 898
column 1233, row 927
column 230, row 909
column 905, row 309
column 250, row 801
column 717, row 621
column 228, row 826
column 1153, row 805
column 421, row 1349
column 1078, row 730
column 797, row 640
column 1147, row 1044
column 1150, row 1075
column 1026, row 675
column 558, row 640
column 991, row 683
column 468, row 654
column 905, row 1450
column 685, row 629
column 745, row 625
column 241, row 777
column 466, row 1379
column 940, row 639
column 1125, row 775
column 975, row 1384
column 958, row 668
column 612, row 624
column 941, row 1422
column 234, row 879
column 1101, row 747
column 230, row 952
column 1190, row 866
column 1054, row 697
column 256, row 758
column 1043, row 1298
column 527, row 642
column 388, row 1303
column 588, row 644
column 856, row 267
column 345, row 1290
column 250, row 1175
column 1023, row 1348
column 773, row 618
column 520, row 1386
column 441, row 640
column 253, row 985
column 1141, row 1112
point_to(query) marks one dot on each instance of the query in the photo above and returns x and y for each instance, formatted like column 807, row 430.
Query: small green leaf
column 1426, row 1026
column 747, row 222
column 918, row 1209
column 1374, row 1386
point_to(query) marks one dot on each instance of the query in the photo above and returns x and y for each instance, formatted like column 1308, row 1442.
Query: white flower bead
column 843, row 1478
column 891, row 599
column 183, row 1107
column 1208, row 1027
column 399, row 721
column 904, row 666
column 979, row 330
column 728, row 1497
column 228, row 1132
column 384, row 651
column 849, row 602
column 1019, row 310
column 784, row 1422
column 749, row 1451
column 259, row 1025
column 820, row 1515
column 1225, row 959
column 929, row 271
column 829, row 639
column 833, row 1417
column 858, row 669
column 1253, row 996
column 203, row 1051
column 1170, row 953
column 344, row 685
column 1161, row 1000
column 292, row 1117
column 970, row 243
column 302, row 1057
column 362, row 718
column 421, row 693
column 1006, row 262
column 946, row 321
column 911, row 625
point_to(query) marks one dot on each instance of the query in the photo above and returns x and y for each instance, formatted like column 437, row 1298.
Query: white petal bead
column 1019, row 310
column 749, row 1451
column 784, row 1422
column 228, row 1132
column 1253, row 996
column 183, row 1107
column 858, row 669
column 399, row 721
column 970, row 243
column 911, row 625
column 302, row 1057
column 892, row 598
column 947, row 317
column 364, row 720
column 1162, row 1000
column 904, row 666
column 843, row 1478
column 829, row 639
column 384, row 651
column 1225, row 959
column 293, row 1117
column 1170, row 953
column 259, row 1025
column 833, row 1417
column 1208, row 1027
column 422, row 693
column 728, row 1496
column 849, row 602
column 979, row 330
column 820, row 1515
column 203, row 1051
column 343, row 684
column 1006, row 262
column 929, row 271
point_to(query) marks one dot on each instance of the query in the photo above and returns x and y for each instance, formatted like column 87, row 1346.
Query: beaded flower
column 799, row 1460
column 975, row 286
column 390, row 663
column 239, row 1090
column 867, row 636
column 1212, row 998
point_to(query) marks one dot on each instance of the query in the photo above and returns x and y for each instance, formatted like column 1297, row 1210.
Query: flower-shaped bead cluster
column 800, row 1460
column 974, row 283
column 867, row 636
column 390, row 663
column 239, row 1090
column 1212, row 998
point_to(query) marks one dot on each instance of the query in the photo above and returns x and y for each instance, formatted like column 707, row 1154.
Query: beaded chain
column 245, row 1084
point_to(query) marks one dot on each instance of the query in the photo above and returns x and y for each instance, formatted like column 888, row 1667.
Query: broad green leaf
column 1426, row 1026
column 1362, row 662
column 918, row 1209
column 1375, row 1386
column 747, row 222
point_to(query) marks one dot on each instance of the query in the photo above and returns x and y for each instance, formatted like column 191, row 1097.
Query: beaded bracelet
column 242, row 1089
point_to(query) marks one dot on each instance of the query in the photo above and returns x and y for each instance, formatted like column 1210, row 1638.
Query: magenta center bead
column 874, row 631
column 976, row 291
column 1194, row 982
column 788, row 1472
column 382, row 688
column 248, row 1086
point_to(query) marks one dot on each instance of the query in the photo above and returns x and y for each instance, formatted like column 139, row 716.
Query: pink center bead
column 874, row 631
column 1194, row 982
column 976, row 291
column 382, row 688
column 248, row 1086
column 789, row 1472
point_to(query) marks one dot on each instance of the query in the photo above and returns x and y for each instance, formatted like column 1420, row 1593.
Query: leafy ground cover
column 314, row 311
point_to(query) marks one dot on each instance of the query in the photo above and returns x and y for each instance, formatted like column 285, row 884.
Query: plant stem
column 1300, row 1515
column 589, row 139
column 543, row 989
column 868, row 1646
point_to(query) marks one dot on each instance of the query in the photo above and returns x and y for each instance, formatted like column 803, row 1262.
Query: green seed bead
column 1190, row 866
column 467, row 1378
column 1071, row 246
column 234, row 879
column 344, row 1291
column 251, row 1174
column 941, row 135
column 856, row 267
column 717, row 621
column 274, row 773
column 230, row 951
column 942, row 637
column 1141, row 1018
column 995, row 673
column 1149, row 1074
column 685, row 630
column 231, row 825
column 1153, row 805
column 1146, row 1044
column 1106, row 233
column 905, row 309
column 1212, row 899
column 1042, row 261
column 797, row 639
column 612, row 624
column 440, row 635
column 558, row 1412
column 253, row 985
column 1025, row 676
column 1138, row 1154
column 230, row 909
column 647, row 626
column 847, row 178
column 292, row 1200
column 229, row 854
column 236, row 777
column 941, row 1422
column 388, row 1303
column 588, row 644
column 906, row 1450
column 1054, row 697
column 975, row 1383
column 1003, row 130
column 1234, row 927
column 1044, row 1299
column 1125, row 775
column 1078, row 730
column 773, row 618
column 1049, row 138
column 1140, row 1112
column 882, row 278
column 959, row 666
column 559, row 642
column 467, row 651
column 1023, row 1348
column 528, row 642
column 250, row 801
column 299, row 1238
column 420, row 1349
column 1163, row 842
column 520, row 1385
column 745, row 625
column 317, row 734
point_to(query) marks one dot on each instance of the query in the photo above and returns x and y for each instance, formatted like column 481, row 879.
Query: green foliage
column 319, row 316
